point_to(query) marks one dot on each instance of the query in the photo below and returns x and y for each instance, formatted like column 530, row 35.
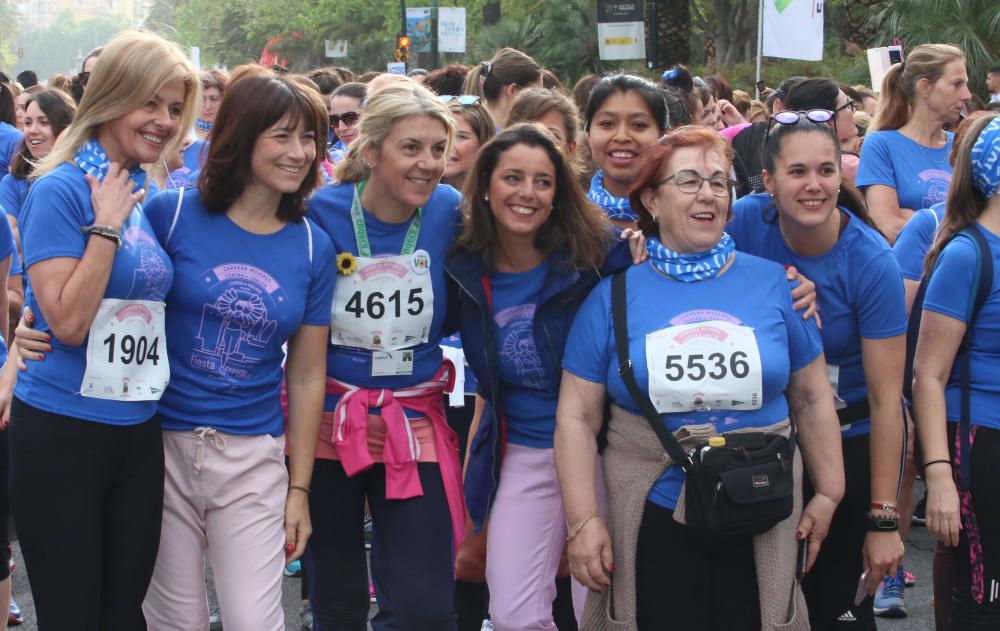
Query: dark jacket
column 562, row 294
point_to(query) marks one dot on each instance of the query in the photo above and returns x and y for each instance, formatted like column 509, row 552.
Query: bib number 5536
column 716, row 365
column 377, row 304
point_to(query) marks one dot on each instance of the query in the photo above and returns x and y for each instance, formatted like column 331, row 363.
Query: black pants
column 966, row 613
column 413, row 538
column 832, row 582
column 685, row 580
column 4, row 505
column 88, row 499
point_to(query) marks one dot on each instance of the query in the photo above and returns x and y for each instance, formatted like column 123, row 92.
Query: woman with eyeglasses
column 904, row 160
column 690, row 295
column 345, row 113
column 824, row 94
column 624, row 115
column 809, row 220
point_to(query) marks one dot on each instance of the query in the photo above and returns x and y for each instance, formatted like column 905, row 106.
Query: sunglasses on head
column 790, row 117
column 349, row 118
column 462, row 99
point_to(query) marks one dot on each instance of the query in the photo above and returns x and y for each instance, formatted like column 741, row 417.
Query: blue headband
column 986, row 160
column 669, row 74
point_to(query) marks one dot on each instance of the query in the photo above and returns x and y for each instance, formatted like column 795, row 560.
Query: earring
column 486, row 197
column 656, row 218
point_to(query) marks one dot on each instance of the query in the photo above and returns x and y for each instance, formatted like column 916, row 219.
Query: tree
column 972, row 25
column 672, row 20
column 731, row 25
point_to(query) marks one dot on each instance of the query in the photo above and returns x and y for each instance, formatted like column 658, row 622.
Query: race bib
column 127, row 352
column 386, row 304
column 710, row 365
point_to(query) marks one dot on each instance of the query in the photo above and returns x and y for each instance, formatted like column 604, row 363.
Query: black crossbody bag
column 743, row 488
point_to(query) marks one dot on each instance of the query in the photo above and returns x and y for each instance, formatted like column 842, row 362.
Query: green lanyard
column 361, row 232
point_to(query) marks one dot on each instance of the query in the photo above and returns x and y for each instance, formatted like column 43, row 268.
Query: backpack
column 982, row 285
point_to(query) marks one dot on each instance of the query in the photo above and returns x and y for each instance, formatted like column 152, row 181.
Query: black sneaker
column 920, row 512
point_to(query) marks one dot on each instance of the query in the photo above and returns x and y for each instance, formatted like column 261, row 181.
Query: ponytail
column 899, row 86
column 894, row 104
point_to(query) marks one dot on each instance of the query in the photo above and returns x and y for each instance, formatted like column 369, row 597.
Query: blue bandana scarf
column 92, row 159
column 986, row 160
column 617, row 208
column 202, row 125
column 692, row 267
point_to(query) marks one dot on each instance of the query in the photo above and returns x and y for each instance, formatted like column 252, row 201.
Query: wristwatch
column 880, row 523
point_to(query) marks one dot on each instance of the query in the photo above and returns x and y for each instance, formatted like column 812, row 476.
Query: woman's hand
column 729, row 114
column 803, row 296
column 883, row 552
column 943, row 518
column 636, row 244
column 114, row 197
column 31, row 344
column 298, row 526
column 590, row 558
column 815, row 524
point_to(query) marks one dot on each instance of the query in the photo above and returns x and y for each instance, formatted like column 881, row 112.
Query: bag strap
column 177, row 213
column 619, row 317
column 983, row 284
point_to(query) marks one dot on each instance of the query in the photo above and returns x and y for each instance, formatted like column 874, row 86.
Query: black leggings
column 966, row 613
column 832, row 582
column 414, row 540
column 685, row 580
column 88, row 500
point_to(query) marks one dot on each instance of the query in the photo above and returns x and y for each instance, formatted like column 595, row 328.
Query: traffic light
column 403, row 48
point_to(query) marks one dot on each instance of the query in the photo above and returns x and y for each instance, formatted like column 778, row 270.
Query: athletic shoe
column 371, row 591
column 889, row 597
column 294, row 568
column 214, row 619
column 306, row 616
column 920, row 513
column 487, row 625
column 368, row 531
column 909, row 579
column 14, row 615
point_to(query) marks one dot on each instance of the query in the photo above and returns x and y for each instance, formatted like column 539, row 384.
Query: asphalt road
column 919, row 555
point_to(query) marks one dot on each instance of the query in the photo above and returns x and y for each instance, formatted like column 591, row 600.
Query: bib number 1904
column 137, row 350
column 377, row 303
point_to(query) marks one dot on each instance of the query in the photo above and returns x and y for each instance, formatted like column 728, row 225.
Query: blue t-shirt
column 529, row 396
column 859, row 290
column 239, row 296
column 13, row 191
column 916, row 239
column 617, row 208
column 950, row 292
column 58, row 205
column 786, row 342
column 8, row 248
column 330, row 207
column 10, row 141
column 920, row 175
column 195, row 156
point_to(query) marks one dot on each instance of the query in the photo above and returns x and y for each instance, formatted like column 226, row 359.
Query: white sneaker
column 487, row 625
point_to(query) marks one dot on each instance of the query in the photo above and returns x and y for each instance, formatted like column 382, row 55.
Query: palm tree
column 972, row 25
column 673, row 32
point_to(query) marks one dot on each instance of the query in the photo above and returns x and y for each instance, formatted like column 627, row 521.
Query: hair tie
column 669, row 74
column 487, row 68
column 985, row 156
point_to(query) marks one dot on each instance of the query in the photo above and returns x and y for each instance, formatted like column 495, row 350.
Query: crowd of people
column 636, row 355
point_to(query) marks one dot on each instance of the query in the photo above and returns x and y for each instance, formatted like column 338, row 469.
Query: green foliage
column 972, row 25
column 849, row 70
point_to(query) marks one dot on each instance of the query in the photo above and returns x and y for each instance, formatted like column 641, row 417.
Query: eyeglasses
column 690, row 182
column 462, row 99
column 350, row 119
column 83, row 78
column 850, row 105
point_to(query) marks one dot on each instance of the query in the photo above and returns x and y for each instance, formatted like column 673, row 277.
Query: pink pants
column 225, row 494
column 527, row 533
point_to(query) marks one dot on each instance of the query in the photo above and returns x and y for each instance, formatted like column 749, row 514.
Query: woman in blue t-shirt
column 963, row 505
column 690, row 298
column 904, row 160
column 384, row 434
column 10, row 136
column 809, row 221
column 625, row 114
column 87, row 455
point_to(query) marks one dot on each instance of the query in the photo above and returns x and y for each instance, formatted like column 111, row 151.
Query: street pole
column 434, row 33
column 760, row 42
column 402, row 17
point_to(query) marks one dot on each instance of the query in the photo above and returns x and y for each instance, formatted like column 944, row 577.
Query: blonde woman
column 87, row 480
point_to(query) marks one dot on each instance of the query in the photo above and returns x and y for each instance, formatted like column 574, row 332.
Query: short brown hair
column 576, row 226
column 657, row 156
column 534, row 103
column 250, row 106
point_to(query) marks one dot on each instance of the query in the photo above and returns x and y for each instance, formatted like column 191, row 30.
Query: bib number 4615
column 378, row 303
column 132, row 349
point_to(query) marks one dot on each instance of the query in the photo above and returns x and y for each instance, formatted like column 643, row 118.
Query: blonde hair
column 392, row 104
column 134, row 65
column 899, row 87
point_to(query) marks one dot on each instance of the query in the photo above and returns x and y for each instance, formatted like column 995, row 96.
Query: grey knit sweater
column 633, row 461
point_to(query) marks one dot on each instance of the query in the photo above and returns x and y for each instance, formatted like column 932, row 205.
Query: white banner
column 621, row 40
column 335, row 49
column 396, row 67
column 451, row 29
column 793, row 29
